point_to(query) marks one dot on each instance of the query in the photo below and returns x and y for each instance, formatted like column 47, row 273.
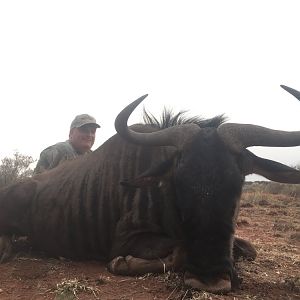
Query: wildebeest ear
column 275, row 171
column 152, row 176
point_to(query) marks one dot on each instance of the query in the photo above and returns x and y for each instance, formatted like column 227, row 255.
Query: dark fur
column 169, row 119
column 80, row 210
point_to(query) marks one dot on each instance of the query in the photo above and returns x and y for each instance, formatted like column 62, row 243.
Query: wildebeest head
column 235, row 138
column 207, row 173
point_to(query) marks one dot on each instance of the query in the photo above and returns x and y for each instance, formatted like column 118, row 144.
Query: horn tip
column 140, row 99
column 293, row 92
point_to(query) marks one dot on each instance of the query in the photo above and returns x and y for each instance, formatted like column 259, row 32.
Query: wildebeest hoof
column 243, row 249
column 119, row 265
column 219, row 285
column 5, row 248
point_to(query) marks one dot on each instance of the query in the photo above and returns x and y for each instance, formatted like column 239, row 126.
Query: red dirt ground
column 271, row 223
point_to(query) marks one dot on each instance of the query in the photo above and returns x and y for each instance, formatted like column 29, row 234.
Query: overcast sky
column 63, row 58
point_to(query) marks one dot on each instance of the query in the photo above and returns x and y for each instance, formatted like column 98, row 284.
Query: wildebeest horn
column 295, row 93
column 173, row 136
column 240, row 136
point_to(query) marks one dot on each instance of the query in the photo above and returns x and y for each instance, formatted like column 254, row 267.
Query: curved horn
column 293, row 92
column 173, row 136
column 240, row 136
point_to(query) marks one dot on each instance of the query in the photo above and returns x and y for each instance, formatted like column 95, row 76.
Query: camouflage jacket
column 54, row 155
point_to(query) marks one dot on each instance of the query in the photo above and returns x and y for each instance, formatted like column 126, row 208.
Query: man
column 81, row 139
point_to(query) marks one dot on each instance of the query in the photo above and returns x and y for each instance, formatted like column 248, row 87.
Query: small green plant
column 69, row 289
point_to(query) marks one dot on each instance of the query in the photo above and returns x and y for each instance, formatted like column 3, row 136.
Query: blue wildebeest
column 176, row 206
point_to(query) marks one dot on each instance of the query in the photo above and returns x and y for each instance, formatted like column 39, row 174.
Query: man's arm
column 49, row 158
column 54, row 155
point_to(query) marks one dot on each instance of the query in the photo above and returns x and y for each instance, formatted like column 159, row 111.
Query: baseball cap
column 83, row 119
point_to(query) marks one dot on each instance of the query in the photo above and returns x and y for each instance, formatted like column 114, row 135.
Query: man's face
column 83, row 138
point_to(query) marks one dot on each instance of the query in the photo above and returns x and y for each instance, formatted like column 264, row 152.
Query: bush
column 15, row 168
column 275, row 188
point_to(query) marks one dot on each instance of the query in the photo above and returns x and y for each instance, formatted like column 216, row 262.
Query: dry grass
column 274, row 188
column 69, row 289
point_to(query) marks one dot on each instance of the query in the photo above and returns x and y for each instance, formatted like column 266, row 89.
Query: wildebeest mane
column 170, row 119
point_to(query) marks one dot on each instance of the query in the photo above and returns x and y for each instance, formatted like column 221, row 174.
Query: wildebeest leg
column 130, row 265
column 14, row 214
column 5, row 248
column 221, row 284
column 241, row 247
column 244, row 249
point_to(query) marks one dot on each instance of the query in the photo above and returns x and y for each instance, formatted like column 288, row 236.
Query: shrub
column 15, row 168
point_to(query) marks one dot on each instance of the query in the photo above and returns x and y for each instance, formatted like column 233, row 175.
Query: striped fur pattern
column 80, row 210
column 74, row 209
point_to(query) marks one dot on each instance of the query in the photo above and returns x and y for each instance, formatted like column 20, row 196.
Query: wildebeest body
column 84, row 206
column 180, row 189
column 89, row 215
